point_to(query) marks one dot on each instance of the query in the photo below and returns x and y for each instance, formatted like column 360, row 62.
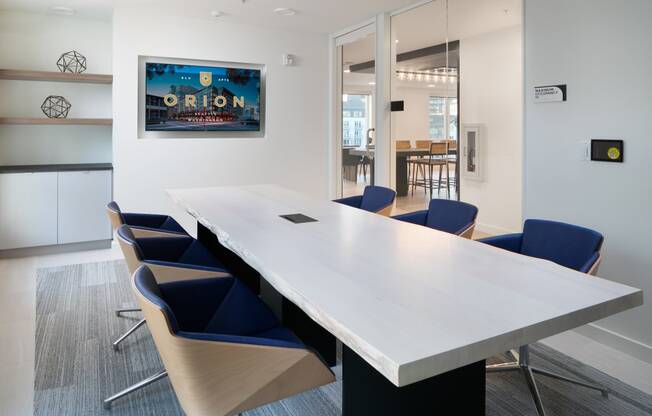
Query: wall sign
column 191, row 99
column 550, row 93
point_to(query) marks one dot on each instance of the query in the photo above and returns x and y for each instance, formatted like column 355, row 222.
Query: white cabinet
column 28, row 209
column 83, row 196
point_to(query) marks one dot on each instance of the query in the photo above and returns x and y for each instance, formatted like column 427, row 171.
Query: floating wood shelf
column 24, row 75
column 57, row 121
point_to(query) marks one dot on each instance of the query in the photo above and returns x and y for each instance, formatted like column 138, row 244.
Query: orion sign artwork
column 202, row 98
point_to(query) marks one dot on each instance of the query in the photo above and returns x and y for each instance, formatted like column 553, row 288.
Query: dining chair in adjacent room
column 446, row 215
column 225, row 351
column 376, row 199
column 170, row 258
column 452, row 160
column 416, row 168
column 568, row 245
column 403, row 144
column 437, row 157
column 144, row 225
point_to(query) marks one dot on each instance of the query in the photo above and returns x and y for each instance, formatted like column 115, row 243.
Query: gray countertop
column 55, row 168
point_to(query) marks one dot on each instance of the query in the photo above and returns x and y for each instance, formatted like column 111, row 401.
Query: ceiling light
column 396, row 41
column 62, row 10
column 431, row 85
column 284, row 11
column 217, row 13
column 347, row 70
column 372, row 83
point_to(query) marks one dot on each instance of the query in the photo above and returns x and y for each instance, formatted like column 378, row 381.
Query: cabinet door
column 28, row 209
column 82, row 206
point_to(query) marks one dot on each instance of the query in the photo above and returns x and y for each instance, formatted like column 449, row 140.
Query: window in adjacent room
column 442, row 117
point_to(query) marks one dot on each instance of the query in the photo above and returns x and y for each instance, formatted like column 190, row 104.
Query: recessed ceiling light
column 284, row 11
column 347, row 70
column 66, row 11
column 431, row 85
column 396, row 41
column 372, row 83
column 217, row 13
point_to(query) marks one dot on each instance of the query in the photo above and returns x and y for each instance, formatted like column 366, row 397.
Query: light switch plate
column 584, row 152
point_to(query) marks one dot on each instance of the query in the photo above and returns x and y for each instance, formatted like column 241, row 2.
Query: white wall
column 491, row 94
column 294, row 151
column 601, row 49
column 35, row 42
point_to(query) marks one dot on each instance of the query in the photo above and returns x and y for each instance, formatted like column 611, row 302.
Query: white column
column 383, row 97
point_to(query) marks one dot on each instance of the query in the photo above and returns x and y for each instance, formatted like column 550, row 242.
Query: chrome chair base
column 156, row 377
column 522, row 364
column 126, row 334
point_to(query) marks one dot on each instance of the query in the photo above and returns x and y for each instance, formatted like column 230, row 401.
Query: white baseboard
column 617, row 341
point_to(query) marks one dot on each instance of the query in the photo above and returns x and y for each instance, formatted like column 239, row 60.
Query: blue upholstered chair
column 223, row 349
column 575, row 247
column 144, row 225
column 445, row 215
column 170, row 258
column 374, row 199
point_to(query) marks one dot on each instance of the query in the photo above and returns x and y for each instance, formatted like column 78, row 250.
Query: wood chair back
column 403, row 144
column 438, row 149
column 452, row 144
column 593, row 271
column 130, row 253
column 423, row 144
column 227, row 378
column 114, row 217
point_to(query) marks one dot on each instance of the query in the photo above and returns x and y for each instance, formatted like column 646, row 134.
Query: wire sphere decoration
column 55, row 106
column 72, row 61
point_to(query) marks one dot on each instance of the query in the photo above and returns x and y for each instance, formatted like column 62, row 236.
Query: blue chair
column 374, row 199
column 446, row 215
column 144, row 225
column 223, row 349
column 170, row 259
column 575, row 247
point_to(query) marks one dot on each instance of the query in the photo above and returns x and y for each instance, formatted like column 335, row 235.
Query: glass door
column 356, row 142
column 425, row 79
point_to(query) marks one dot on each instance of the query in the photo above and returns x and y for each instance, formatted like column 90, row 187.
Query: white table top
column 412, row 301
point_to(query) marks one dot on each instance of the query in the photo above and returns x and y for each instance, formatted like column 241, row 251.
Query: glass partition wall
column 425, row 68
column 358, row 81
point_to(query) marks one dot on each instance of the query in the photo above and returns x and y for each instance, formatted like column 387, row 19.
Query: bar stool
column 452, row 160
column 437, row 157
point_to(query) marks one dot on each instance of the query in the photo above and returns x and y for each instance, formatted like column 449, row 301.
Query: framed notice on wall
column 550, row 93
column 200, row 99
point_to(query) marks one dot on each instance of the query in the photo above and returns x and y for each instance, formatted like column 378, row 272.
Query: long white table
column 409, row 301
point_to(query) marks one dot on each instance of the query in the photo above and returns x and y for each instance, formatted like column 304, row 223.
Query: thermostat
column 607, row 150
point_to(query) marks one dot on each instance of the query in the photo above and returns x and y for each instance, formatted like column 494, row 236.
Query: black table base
column 229, row 259
column 310, row 332
column 367, row 392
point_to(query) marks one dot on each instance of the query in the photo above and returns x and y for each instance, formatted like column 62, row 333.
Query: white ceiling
column 426, row 25
column 321, row 16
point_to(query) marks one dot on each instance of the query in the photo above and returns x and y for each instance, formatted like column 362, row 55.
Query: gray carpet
column 76, row 368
